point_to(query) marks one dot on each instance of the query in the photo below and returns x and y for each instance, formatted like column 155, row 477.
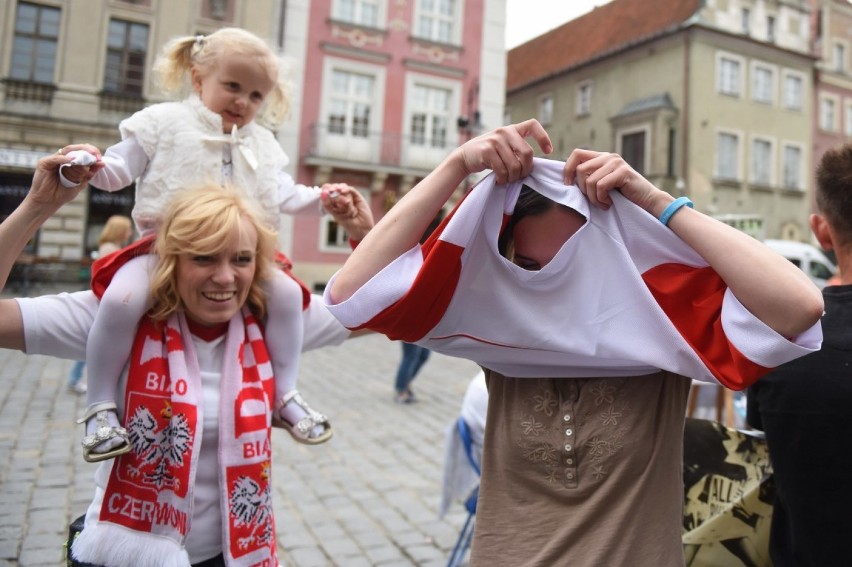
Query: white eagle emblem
column 157, row 452
column 251, row 506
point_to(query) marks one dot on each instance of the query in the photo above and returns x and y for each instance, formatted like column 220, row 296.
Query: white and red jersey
column 624, row 296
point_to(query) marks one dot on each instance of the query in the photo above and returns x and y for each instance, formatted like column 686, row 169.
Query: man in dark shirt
column 805, row 406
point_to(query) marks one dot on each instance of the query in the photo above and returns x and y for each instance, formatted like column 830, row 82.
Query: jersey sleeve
column 735, row 346
column 408, row 297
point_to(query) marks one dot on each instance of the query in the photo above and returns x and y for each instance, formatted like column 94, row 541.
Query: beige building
column 708, row 99
column 70, row 70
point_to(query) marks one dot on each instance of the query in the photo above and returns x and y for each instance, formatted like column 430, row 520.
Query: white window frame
column 360, row 149
column 785, row 98
column 735, row 90
column 769, row 166
column 745, row 20
column 847, row 117
column 645, row 129
column 431, row 82
column 757, row 67
column 584, row 98
column 545, row 109
column 737, row 169
column 429, row 156
column 325, row 226
column 38, row 39
column 381, row 12
column 771, row 28
column 839, row 55
column 456, row 20
column 800, row 181
column 834, row 119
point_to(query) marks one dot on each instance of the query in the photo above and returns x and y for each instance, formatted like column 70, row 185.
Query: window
column 838, row 57
column 545, row 109
column 793, row 85
column 847, row 115
column 763, row 89
column 584, row 99
column 127, row 45
column 430, row 117
column 34, row 45
column 770, row 28
column 633, row 150
column 745, row 20
column 827, row 114
column 728, row 156
column 792, row 167
column 351, row 103
column 729, row 76
column 436, row 19
column 361, row 12
column 761, row 162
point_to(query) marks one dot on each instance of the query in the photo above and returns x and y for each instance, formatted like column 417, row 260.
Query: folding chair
column 466, row 534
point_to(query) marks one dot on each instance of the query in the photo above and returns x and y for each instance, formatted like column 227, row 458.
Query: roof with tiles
column 604, row 29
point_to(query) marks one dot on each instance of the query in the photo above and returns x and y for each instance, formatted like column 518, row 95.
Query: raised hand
column 505, row 151
column 349, row 209
column 598, row 173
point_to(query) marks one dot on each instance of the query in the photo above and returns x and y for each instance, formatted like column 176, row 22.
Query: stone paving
column 369, row 496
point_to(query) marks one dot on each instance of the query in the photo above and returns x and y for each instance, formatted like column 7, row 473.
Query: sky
column 526, row 19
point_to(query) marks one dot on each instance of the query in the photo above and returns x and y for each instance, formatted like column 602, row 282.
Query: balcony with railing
column 365, row 150
column 28, row 91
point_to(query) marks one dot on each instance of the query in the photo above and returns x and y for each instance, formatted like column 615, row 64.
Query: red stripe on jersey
column 419, row 310
column 692, row 300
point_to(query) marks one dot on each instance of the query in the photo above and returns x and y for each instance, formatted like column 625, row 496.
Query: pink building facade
column 385, row 90
column 832, row 36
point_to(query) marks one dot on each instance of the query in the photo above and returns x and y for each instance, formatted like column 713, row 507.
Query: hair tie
column 199, row 41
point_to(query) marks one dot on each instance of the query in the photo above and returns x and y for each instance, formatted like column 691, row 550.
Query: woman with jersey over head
column 591, row 298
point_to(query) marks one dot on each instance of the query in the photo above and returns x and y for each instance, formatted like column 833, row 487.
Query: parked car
column 809, row 258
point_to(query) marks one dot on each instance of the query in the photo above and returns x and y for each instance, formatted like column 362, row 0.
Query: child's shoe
column 105, row 429
column 303, row 423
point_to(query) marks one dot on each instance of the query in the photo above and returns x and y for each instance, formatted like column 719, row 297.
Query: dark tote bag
column 73, row 531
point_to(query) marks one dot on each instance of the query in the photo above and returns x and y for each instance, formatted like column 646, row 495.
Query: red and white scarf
column 147, row 505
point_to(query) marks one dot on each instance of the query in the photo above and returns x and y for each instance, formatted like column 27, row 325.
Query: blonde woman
column 205, row 499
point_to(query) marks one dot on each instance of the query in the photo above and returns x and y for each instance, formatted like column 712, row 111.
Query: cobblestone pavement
column 367, row 497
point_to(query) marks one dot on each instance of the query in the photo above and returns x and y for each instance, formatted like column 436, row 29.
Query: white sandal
column 103, row 432
column 301, row 431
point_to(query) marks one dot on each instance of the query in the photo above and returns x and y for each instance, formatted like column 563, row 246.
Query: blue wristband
column 674, row 207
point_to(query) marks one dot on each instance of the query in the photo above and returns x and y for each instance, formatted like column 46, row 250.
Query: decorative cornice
column 356, row 36
column 433, row 68
column 355, row 52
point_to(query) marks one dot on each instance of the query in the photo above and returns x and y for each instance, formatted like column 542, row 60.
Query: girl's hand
column 349, row 209
column 80, row 174
column 505, row 151
column 46, row 191
column 598, row 173
column 338, row 200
